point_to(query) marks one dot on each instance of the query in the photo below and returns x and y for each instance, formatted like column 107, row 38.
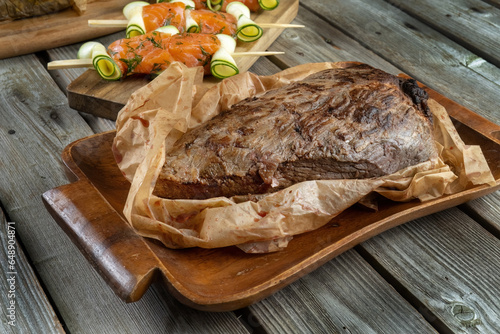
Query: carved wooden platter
column 89, row 210
column 91, row 94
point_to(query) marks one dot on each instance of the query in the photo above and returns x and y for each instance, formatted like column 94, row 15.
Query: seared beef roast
column 355, row 122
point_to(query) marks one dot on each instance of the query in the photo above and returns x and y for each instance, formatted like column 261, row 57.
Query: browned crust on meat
column 353, row 122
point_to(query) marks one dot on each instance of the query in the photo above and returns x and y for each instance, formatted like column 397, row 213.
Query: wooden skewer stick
column 256, row 53
column 69, row 63
column 108, row 23
column 78, row 63
column 280, row 25
column 123, row 24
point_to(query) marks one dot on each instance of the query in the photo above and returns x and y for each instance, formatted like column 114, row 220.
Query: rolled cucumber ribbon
column 247, row 29
column 215, row 5
column 136, row 26
column 132, row 7
column 269, row 4
column 222, row 64
column 102, row 62
column 171, row 30
column 191, row 25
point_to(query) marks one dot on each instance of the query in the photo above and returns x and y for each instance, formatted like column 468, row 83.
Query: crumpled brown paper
column 159, row 113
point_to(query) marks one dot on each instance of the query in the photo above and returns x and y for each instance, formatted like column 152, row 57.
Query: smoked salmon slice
column 164, row 14
column 153, row 52
column 215, row 22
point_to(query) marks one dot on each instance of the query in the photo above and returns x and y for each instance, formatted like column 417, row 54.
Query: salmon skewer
column 236, row 22
column 143, row 17
column 253, row 5
column 153, row 52
column 150, row 17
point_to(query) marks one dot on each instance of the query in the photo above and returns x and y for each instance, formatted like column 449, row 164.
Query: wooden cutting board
column 66, row 27
column 91, row 94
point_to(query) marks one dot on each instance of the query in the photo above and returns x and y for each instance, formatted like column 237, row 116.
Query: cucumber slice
column 215, row 5
column 129, row 9
column 171, row 30
column 191, row 24
column 107, row 68
column 248, row 30
column 135, row 26
column 237, row 9
column 269, row 4
column 104, row 64
column 227, row 42
column 223, row 65
column 85, row 51
column 134, row 30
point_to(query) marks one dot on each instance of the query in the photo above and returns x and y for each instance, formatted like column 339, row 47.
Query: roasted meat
column 20, row 9
column 345, row 123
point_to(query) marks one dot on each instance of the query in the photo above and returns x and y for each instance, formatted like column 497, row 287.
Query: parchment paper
column 159, row 113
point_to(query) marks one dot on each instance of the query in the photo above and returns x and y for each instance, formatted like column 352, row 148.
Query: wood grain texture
column 25, row 307
column 486, row 210
column 37, row 124
column 321, row 42
column 495, row 3
column 417, row 49
column 25, row 36
column 471, row 23
column 450, row 265
column 343, row 296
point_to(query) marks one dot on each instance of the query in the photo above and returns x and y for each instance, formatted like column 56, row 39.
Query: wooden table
column 440, row 273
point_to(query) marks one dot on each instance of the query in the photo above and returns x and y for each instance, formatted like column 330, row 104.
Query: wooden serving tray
column 49, row 31
column 91, row 94
column 89, row 210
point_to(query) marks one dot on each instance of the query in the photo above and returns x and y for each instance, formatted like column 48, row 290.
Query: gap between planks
column 469, row 210
column 413, row 300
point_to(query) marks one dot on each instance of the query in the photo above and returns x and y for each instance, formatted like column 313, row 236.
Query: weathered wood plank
column 486, row 210
column 495, row 3
column 417, row 49
column 343, row 296
column 471, row 23
column 449, row 265
column 25, row 307
column 320, row 42
column 36, row 125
